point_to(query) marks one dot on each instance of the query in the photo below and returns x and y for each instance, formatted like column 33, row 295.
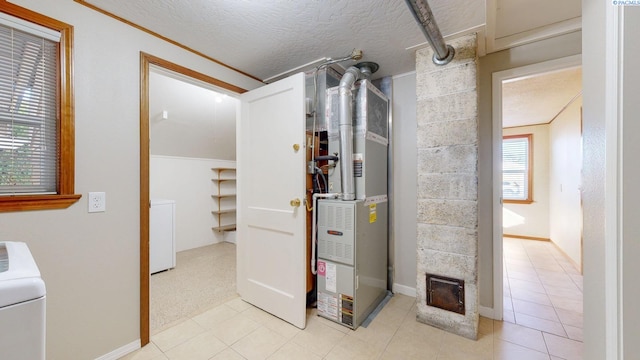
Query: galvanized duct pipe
column 443, row 53
column 346, row 132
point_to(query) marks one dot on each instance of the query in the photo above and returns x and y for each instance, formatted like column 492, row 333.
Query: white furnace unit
column 352, row 259
column 352, row 227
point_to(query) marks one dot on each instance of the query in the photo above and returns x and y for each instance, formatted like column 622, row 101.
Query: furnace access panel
column 352, row 259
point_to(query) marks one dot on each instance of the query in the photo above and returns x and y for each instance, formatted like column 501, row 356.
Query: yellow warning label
column 372, row 213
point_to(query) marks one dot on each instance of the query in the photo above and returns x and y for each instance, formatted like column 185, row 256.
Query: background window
column 516, row 168
column 36, row 111
column 28, row 113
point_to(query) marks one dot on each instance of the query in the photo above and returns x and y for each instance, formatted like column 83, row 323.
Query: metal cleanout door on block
column 271, row 243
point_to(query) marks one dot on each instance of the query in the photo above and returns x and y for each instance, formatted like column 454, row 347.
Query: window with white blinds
column 29, row 111
column 516, row 168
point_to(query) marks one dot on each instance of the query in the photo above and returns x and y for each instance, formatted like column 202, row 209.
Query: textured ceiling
column 267, row 37
column 538, row 99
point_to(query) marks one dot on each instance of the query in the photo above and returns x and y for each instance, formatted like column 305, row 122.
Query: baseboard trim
column 526, row 237
column 404, row 290
column 575, row 264
column 229, row 236
column 121, row 351
column 488, row 313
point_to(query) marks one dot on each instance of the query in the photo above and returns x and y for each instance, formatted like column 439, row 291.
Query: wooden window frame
column 529, row 198
column 65, row 196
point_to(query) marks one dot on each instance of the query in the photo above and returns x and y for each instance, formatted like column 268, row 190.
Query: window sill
column 517, row 201
column 37, row 202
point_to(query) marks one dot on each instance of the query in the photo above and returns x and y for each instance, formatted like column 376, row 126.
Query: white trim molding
column 545, row 32
column 494, row 44
column 488, row 313
column 613, row 183
column 404, row 290
column 121, row 351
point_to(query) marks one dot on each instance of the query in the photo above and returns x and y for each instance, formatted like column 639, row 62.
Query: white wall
column 201, row 123
column 405, row 183
column 90, row 262
column 188, row 182
column 594, row 12
column 548, row 49
column 199, row 133
column 631, row 179
column 594, row 116
column 610, row 178
column 531, row 219
column 565, row 214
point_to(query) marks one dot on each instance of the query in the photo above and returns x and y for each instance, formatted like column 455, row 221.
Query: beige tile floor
column 237, row 330
column 543, row 291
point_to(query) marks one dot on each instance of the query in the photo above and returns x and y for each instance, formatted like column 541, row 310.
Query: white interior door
column 271, row 244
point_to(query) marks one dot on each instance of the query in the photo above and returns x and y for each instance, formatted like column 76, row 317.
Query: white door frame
column 497, row 80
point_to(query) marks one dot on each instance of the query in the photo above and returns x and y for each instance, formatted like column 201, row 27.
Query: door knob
column 295, row 202
column 296, row 147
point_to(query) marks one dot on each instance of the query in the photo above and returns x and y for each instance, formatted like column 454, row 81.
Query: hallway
column 542, row 289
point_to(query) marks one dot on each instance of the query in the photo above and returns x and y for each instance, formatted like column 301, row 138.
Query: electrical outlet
column 97, row 202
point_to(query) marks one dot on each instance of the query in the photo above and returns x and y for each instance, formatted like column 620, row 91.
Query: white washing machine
column 22, row 304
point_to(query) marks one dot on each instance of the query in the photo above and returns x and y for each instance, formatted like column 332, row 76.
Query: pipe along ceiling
column 443, row 53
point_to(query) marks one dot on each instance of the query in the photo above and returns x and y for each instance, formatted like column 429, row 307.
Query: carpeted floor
column 203, row 278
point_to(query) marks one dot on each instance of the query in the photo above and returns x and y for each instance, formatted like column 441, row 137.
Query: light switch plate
column 97, row 202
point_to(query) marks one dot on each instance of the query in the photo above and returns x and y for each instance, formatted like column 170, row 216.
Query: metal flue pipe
column 346, row 132
column 442, row 53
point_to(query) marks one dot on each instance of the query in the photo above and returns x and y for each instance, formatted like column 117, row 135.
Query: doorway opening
column 541, row 227
column 147, row 63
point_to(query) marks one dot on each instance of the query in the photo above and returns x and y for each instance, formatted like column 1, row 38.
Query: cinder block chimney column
column 447, row 134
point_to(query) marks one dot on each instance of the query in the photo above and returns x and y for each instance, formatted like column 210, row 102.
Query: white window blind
column 515, row 168
column 28, row 111
column 29, row 27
